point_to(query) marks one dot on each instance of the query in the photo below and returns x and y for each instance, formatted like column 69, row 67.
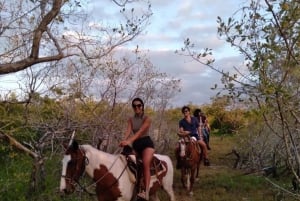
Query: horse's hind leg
column 167, row 186
column 170, row 192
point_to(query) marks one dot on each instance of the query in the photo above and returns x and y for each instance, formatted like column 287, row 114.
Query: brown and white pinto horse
column 110, row 173
column 190, row 161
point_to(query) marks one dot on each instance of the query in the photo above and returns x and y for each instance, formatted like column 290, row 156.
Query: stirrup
column 143, row 195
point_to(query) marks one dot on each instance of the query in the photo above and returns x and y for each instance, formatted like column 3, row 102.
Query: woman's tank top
column 137, row 123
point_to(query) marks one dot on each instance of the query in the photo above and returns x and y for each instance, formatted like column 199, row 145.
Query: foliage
column 14, row 174
column 266, row 33
column 219, row 182
column 71, row 77
column 225, row 116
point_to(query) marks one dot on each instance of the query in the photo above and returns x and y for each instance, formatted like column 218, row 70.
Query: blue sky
column 174, row 21
column 171, row 23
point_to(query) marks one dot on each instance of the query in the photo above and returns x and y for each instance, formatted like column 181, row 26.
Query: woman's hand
column 183, row 133
column 124, row 143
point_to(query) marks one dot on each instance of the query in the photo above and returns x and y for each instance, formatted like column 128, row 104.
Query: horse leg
column 167, row 186
column 183, row 177
column 171, row 194
column 198, row 165
column 197, row 171
column 188, row 180
column 192, row 181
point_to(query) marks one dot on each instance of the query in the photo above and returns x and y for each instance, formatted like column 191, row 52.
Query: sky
column 171, row 23
column 174, row 21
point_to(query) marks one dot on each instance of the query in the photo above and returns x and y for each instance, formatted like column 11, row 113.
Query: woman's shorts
column 142, row 143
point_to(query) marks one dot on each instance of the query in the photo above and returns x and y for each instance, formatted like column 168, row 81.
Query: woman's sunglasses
column 137, row 105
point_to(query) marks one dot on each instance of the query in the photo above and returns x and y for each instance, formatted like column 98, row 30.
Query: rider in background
column 202, row 119
column 139, row 125
column 189, row 125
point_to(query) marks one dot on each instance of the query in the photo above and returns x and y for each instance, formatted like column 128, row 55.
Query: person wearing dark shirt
column 189, row 125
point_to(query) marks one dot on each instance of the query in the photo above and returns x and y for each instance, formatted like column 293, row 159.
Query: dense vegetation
column 83, row 85
column 37, row 177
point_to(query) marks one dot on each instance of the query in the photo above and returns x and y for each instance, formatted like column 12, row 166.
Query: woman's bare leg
column 147, row 158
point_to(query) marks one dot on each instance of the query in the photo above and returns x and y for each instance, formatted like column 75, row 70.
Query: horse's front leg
column 183, row 177
column 198, row 167
column 192, row 181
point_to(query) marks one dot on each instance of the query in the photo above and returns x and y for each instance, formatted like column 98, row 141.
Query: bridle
column 187, row 141
column 74, row 181
column 84, row 188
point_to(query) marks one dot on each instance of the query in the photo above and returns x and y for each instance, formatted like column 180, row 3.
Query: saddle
column 135, row 165
column 187, row 139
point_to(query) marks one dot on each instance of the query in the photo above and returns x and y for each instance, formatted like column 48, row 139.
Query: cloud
column 174, row 22
column 171, row 23
column 196, row 79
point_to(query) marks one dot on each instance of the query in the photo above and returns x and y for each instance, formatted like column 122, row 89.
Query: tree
column 226, row 117
column 39, row 35
column 41, row 31
column 267, row 34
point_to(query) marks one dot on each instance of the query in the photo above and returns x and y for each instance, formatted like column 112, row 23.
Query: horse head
column 73, row 166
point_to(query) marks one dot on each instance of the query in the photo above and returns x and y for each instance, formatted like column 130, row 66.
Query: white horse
column 111, row 175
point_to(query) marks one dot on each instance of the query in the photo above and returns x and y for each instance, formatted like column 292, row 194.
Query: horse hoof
column 191, row 194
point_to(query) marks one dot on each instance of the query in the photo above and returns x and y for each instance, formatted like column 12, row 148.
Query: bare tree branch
column 18, row 145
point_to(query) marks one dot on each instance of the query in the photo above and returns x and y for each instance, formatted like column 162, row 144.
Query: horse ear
column 75, row 145
column 65, row 145
column 72, row 138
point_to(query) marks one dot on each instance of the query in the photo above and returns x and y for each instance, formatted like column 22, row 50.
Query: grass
column 220, row 182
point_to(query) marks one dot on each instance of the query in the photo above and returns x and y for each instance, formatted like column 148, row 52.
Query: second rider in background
column 189, row 125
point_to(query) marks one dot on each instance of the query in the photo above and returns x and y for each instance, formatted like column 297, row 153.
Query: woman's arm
column 182, row 132
column 126, row 142
column 129, row 129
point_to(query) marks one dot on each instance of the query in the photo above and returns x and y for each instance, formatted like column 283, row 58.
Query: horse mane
column 89, row 148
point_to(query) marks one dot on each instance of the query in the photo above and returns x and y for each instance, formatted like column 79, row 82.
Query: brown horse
column 110, row 173
column 190, row 162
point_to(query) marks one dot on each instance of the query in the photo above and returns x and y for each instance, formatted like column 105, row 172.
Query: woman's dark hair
column 138, row 99
column 197, row 112
column 185, row 108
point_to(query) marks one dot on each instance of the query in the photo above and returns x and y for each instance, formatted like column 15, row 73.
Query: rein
column 188, row 154
column 84, row 188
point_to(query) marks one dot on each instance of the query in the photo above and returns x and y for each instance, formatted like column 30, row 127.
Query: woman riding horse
column 141, row 142
column 110, row 173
